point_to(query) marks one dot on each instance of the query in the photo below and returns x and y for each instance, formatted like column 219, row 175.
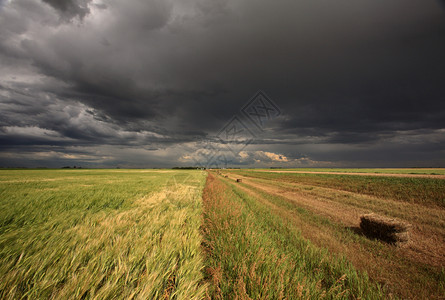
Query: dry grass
column 254, row 254
column 330, row 218
column 424, row 191
column 414, row 175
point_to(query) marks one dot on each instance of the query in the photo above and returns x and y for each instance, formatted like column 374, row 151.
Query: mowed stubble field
column 178, row 234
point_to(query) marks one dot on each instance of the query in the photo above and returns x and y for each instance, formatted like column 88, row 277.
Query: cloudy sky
column 163, row 83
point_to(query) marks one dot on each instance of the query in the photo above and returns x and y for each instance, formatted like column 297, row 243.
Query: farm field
column 254, row 252
column 101, row 234
column 326, row 208
column 413, row 171
column 189, row 234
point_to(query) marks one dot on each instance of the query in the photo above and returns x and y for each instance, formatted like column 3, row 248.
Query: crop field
column 101, row 234
column 191, row 234
column 326, row 209
column 413, row 171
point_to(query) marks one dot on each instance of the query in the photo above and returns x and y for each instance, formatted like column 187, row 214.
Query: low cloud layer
column 141, row 83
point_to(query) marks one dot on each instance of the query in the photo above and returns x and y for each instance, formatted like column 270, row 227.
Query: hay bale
column 390, row 230
column 239, row 180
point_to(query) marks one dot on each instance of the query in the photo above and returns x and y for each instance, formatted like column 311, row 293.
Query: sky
column 228, row 83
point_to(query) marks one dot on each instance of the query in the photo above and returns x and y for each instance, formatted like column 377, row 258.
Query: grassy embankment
column 100, row 234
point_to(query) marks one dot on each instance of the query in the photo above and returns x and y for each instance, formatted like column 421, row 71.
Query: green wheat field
column 192, row 234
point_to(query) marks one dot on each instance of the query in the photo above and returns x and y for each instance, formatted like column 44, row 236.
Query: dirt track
column 360, row 174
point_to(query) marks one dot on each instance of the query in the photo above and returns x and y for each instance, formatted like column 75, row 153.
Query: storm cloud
column 141, row 83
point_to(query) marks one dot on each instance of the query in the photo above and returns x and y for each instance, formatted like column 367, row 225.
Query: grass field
column 256, row 254
column 429, row 191
column 326, row 209
column 101, row 234
column 426, row 171
column 177, row 234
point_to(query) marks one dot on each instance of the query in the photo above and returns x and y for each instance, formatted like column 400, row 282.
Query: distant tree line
column 187, row 168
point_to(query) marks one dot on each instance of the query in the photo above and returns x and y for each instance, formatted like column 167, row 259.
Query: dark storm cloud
column 70, row 8
column 163, row 73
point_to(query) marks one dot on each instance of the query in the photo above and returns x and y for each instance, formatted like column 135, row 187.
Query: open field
column 177, row 234
column 407, row 189
column 413, row 171
column 100, row 234
column 326, row 209
column 254, row 253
